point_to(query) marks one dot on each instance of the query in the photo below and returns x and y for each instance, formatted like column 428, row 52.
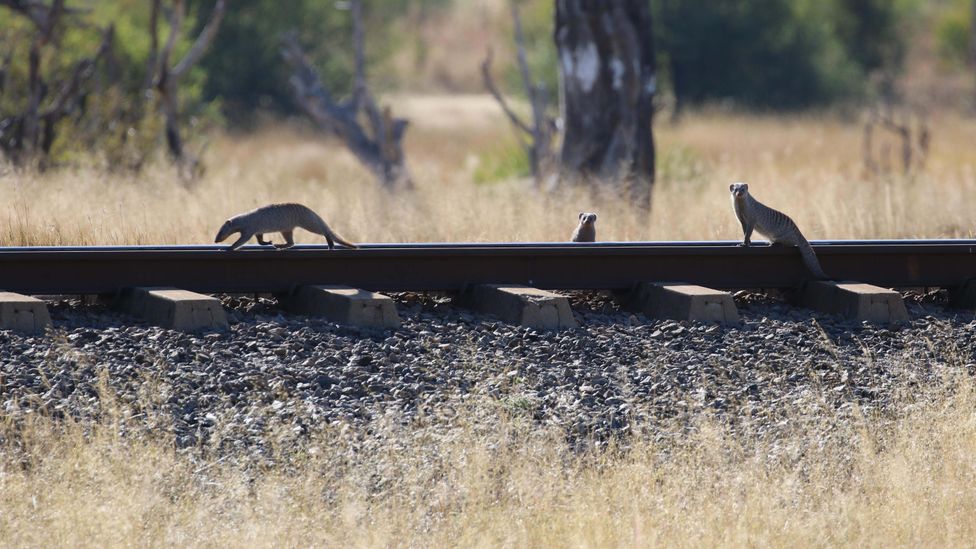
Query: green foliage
column 954, row 32
column 244, row 66
column 505, row 161
column 871, row 30
column 114, row 124
column 680, row 164
column 776, row 53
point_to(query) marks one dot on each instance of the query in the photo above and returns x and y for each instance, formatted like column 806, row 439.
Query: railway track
column 676, row 280
column 452, row 267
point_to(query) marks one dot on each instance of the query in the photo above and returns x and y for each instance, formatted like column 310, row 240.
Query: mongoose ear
column 732, row 188
column 594, row 217
column 581, row 216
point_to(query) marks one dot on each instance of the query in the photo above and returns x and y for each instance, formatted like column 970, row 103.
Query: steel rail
column 448, row 266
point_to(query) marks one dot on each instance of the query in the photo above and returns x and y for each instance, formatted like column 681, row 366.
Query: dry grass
column 808, row 166
column 909, row 483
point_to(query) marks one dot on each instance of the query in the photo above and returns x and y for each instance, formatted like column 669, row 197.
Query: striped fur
column 774, row 225
column 277, row 218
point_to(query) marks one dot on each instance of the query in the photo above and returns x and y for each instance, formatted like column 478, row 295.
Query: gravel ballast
column 273, row 372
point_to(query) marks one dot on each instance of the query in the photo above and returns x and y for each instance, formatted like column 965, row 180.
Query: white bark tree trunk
column 608, row 79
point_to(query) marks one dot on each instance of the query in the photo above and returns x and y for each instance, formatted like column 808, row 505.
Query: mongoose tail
column 331, row 236
column 773, row 224
column 811, row 261
column 586, row 230
column 277, row 218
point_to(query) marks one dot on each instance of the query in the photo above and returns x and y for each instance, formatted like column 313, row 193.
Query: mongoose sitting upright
column 774, row 225
column 586, row 230
column 283, row 218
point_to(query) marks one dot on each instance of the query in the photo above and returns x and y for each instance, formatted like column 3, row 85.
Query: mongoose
column 586, row 230
column 275, row 218
column 774, row 225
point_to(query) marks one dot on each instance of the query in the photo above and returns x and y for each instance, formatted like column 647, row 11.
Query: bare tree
column 909, row 126
column 607, row 83
column 377, row 143
column 536, row 139
column 165, row 78
column 28, row 136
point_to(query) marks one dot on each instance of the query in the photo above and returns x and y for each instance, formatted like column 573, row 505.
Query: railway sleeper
column 964, row 297
column 855, row 301
column 680, row 301
column 23, row 313
column 343, row 305
column 188, row 311
column 522, row 305
column 173, row 308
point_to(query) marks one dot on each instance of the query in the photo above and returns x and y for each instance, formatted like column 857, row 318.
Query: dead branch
column 153, row 57
column 43, row 16
column 175, row 28
column 493, row 90
column 166, row 78
column 379, row 146
column 4, row 65
column 361, row 94
column 28, row 136
column 539, row 149
column 908, row 125
column 202, row 42
column 70, row 91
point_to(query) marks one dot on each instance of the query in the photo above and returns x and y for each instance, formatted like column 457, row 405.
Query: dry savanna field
column 458, row 148
column 901, row 479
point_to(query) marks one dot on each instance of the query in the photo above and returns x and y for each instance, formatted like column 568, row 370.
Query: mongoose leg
column 328, row 238
column 746, row 235
column 289, row 240
column 240, row 241
column 262, row 241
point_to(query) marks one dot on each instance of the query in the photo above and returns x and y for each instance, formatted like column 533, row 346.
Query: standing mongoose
column 586, row 230
column 774, row 225
column 275, row 218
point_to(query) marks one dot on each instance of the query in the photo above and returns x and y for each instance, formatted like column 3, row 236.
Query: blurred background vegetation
column 758, row 55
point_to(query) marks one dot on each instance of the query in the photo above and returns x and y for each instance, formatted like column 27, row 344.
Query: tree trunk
column 166, row 78
column 607, row 77
column 378, row 143
column 171, row 115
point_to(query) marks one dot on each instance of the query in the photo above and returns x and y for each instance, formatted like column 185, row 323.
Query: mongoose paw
column 283, row 246
column 743, row 244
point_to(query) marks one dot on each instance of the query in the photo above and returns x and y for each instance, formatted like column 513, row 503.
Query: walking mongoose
column 774, row 225
column 275, row 218
column 586, row 230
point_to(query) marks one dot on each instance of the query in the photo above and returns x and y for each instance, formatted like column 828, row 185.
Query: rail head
column 451, row 266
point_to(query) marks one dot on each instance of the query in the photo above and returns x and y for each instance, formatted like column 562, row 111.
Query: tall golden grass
column 823, row 480
column 808, row 166
column 828, row 481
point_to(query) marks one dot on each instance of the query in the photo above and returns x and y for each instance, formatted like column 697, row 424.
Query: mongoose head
column 587, row 218
column 228, row 228
column 739, row 190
